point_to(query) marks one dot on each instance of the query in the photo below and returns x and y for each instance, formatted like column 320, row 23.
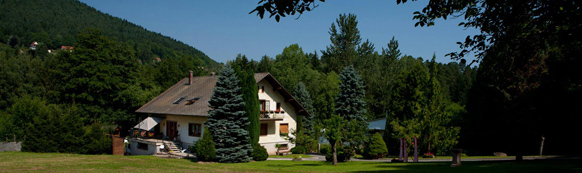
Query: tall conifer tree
column 350, row 102
column 302, row 96
column 350, row 105
column 227, row 120
column 249, row 90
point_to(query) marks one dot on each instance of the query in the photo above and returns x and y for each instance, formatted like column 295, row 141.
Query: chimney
column 211, row 73
column 190, row 78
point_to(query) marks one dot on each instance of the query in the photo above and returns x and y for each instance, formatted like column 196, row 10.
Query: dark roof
column 202, row 88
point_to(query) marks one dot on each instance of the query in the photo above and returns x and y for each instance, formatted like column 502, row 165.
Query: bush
column 259, row 153
column 324, row 148
column 343, row 154
column 376, row 148
column 205, row 149
column 298, row 150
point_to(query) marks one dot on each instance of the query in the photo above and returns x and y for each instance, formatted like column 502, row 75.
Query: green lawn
column 44, row 162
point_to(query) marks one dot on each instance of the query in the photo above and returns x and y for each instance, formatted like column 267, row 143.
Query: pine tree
column 350, row 105
column 350, row 102
column 302, row 96
column 227, row 120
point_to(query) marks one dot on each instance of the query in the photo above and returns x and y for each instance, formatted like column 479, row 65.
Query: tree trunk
column 405, row 151
column 335, row 154
column 415, row 150
column 401, row 145
column 542, row 146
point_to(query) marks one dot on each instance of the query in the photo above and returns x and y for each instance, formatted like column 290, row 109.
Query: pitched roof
column 174, row 100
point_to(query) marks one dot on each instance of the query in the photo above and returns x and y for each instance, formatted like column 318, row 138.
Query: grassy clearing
column 43, row 162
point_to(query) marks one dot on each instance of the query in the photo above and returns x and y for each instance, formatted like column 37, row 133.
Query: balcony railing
column 272, row 115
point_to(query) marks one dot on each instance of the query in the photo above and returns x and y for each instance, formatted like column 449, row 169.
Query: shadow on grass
column 551, row 165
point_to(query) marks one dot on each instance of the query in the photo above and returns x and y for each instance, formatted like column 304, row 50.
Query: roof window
column 179, row 100
column 192, row 101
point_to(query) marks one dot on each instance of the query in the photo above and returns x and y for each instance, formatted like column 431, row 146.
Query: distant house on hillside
column 177, row 116
column 69, row 48
column 33, row 45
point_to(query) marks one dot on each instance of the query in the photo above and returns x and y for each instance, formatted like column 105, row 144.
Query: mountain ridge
column 57, row 22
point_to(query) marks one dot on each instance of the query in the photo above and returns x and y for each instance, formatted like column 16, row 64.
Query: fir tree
column 227, row 120
column 350, row 105
column 302, row 96
column 350, row 102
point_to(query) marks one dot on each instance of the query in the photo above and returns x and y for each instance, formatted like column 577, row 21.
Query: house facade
column 179, row 113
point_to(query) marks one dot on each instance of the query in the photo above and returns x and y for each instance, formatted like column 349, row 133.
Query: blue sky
column 223, row 28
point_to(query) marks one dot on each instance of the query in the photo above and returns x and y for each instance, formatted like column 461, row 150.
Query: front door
column 171, row 129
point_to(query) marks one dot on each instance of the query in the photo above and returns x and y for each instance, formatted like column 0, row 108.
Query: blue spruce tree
column 227, row 120
column 303, row 97
column 350, row 105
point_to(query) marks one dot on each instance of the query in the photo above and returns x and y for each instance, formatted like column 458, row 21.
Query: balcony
column 272, row 115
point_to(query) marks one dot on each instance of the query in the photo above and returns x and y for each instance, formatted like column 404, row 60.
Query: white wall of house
column 273, row 136
column 183, row 122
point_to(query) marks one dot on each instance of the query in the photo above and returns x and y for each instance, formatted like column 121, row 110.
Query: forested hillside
column 57, row 22
column 58, row 101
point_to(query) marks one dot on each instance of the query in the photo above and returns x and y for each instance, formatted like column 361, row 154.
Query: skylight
column 179, row 100
column 192, row 101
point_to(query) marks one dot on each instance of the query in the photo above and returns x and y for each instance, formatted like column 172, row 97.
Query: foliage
column 350, row 102
column 259, row 153
column 293, row 66
column 346, row 44
column 350, row 105
column 282, row 8
column 46, row 123
column 96, row 142
column 50, row 22
column 246, row 76
column 298, row 150
column 376, row 147
column 205, row 148
column 325, row 148
column 227, row 120
column 306, row 125
column 334, row 133
column 343, row 154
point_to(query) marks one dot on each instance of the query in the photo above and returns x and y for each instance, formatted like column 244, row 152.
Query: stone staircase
column 172, row 146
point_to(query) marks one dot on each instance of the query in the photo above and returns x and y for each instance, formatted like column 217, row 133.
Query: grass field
column 44, row 162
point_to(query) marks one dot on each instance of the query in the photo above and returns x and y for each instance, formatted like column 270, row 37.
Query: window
column 264, row 105
column 192, row 101
column 263, row 89
column 194, row 130
column 278, row 106
column 284, row 129
column 264, row 129
column 142, row 146
column 179, row 100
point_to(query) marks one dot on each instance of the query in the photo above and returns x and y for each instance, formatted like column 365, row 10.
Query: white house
column 179, row 113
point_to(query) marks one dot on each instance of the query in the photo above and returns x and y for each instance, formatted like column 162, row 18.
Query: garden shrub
column 205, row 149
column 298, row 150
column 376, row 148
column 324, row 148
column 343, row 154
column 259, row 153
